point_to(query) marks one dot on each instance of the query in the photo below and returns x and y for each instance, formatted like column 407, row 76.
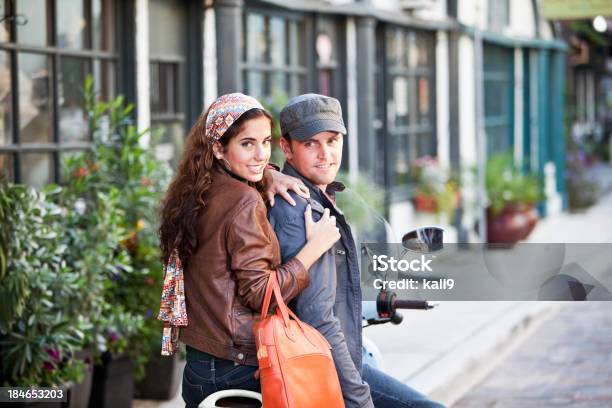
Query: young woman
column 214, row 216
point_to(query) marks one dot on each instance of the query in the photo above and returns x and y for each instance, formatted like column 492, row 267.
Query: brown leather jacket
column 226, row 277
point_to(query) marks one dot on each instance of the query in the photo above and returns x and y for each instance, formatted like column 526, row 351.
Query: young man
column 313, row 133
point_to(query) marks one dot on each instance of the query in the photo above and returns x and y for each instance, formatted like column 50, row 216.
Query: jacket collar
column 315, row 192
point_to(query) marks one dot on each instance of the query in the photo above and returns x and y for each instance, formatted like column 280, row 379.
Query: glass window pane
column 400, row 159
column 400, row 101
column 171, row 141
column 154, row 88
column 172, row 38
column 36, row 169
column 73, row 125
column 279, row 84
column 496, row 95
column 256, row 43
column 296, row 43
column 6, row 118
column 278, row 41
column 168, row 81
column 35, row 30
column 498, row 139
column 7, row 167
column 298, row 85
column 104, row 79
column 325, row 82
column 396, row 47
column 34, row 101
column 4, row 25
column 423, row 100
column 255, row 84
column 103, row 18
column 426, row 144
column 326, row 44
column 71, row 24
column 419, row 50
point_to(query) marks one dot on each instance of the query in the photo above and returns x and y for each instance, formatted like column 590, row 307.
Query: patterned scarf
column 172, row 309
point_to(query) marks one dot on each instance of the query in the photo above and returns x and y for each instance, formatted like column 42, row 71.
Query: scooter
column 383, row 310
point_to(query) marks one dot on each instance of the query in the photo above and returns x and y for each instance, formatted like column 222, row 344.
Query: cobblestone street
column 566, row 362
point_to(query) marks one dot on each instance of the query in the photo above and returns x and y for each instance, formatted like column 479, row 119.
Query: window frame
column 503, row 77
column 303, row 72
column 411, row 132
column 15, row 150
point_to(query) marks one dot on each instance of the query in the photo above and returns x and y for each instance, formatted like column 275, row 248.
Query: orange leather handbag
column 296, row 367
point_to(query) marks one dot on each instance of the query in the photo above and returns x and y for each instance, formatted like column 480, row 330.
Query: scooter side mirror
column 426, row 239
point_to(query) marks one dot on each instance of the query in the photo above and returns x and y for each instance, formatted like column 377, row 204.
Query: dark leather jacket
column 226, row 277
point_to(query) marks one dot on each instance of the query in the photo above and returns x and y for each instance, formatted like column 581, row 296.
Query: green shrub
column 508, row 185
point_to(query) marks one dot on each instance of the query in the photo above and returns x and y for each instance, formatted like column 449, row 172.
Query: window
column 168, row 64
column 329, row 56
column 274, row 54
column 498, row 14
column 498, row 97
column 406, row 101
column 47, row 48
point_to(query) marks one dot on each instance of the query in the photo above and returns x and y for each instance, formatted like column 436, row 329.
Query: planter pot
column 512, row 224
column 113, row 383
column 425, row 203
column 162, row 378
column 79, row 394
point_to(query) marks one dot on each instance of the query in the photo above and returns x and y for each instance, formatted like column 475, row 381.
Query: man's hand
column 279, row 183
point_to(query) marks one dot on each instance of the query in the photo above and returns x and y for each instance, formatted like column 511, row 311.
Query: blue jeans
column 387, row 392
column 206, row 374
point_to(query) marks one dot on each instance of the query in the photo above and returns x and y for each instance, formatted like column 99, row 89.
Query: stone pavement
column 567, row 362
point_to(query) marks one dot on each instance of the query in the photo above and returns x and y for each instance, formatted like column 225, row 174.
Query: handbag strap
column 273, row 288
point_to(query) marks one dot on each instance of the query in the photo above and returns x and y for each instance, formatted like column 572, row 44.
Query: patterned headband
column 224, row 111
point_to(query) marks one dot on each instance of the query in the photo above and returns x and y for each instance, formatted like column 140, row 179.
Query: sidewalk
column 566, row 363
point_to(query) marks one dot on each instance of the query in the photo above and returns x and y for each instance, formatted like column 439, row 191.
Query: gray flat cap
column 309, row 114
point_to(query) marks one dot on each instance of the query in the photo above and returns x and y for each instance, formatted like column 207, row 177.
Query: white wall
column 442, row 98
column 522, row 19
column 431, row 10
column 143, row 92
column 472, row 13
column 351, row 90
column 210, row 57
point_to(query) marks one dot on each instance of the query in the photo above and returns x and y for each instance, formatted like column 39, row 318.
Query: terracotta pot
column 425, row 203
column 512, row 224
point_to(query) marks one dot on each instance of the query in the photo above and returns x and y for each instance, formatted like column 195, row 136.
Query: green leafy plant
column 508, row 185
column 120, row 165
column 40, row 329
column 432, row 181
column 362, row 203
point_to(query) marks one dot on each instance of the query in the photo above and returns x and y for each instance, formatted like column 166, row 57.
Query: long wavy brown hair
column 186, row 195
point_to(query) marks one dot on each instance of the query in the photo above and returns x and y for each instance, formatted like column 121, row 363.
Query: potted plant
column 41, row 331
column 435, row 191
column 512, row 194
column 119, row 165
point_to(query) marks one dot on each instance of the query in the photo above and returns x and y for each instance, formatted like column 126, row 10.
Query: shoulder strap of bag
column 271, row 288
